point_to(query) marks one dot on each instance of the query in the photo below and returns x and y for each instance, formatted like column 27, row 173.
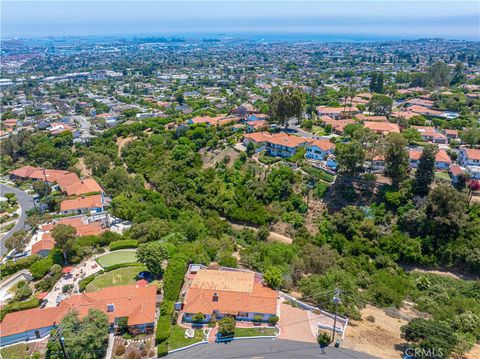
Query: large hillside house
column 227, row 291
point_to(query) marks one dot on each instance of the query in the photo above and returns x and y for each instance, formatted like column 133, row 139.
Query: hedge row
column 122, row 265
column 10, row 267
column 163, row 328
column 82, row 283
column 173, row 277
column 124, row 244
column 162, row 349
column 17, row 306
column 319, row 173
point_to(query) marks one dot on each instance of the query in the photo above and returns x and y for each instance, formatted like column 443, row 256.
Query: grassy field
column 18, row 351
column 177, row 337
column 116, row 277
column 253, row 332
column 118, row 257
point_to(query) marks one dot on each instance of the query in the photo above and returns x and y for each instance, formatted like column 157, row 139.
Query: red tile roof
column 136, row 303
column 44, row 244
column 382, row 127
column 325, row 145
column 472, row 153
column 94, row 201
column 237, row 292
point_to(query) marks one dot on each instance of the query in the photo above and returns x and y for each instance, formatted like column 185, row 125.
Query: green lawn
column 19, row 351
column 253, row 332
column 318, row 130
column 117, row 257
column 443, row 176
column 116, row 277
column 177, row 337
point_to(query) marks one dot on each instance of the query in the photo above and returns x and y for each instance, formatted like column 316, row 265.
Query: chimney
column 215, row 297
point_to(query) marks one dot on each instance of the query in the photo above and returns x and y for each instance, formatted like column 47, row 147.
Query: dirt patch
column 315, row 209
column 84, row 171
column 380, row 338
column 474, row 353
column 211, row 158
column 121, row 142
column 440, row 272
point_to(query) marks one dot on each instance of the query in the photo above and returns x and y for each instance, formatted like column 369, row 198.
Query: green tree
column 250, row 149
column 273, row 276
column 99, row 163
column 85, row 338
column 380, row 105
column 396, row 158
column 439, row 74
column 152, row 254
column 458, row 74
column 377, row 82
column 425, row 174
column 64, row 236
column 285, row 104
column 411, row 135
column 226, row 326
column 350, row 157
column 471, row 136
column 445, row 213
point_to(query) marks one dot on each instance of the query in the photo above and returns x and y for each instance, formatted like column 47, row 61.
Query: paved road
column 26, row 203
column 265, row 349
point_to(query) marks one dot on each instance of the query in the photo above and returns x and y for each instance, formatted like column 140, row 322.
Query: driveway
column 295, row 324
column 25, row 202
column 265, row 348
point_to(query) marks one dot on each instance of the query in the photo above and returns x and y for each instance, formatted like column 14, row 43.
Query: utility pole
column 336, row 300
column 59, row 335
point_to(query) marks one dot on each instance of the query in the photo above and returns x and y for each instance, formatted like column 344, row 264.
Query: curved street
column 266, row 348
column 25, row 202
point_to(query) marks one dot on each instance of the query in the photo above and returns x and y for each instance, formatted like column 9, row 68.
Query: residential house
column 256, row 125
column 455, row 172
column 451, row 134
column 137, row 304
column 277, row 144
column 442, row 159
column 431, row 134
column 382, row 128
column 240, row 294
column 337, row 112
column 338, row 126
column 83, row 204
column 470, row 159
column 319, row 149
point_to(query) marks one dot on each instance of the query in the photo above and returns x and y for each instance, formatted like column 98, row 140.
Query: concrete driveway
column 295, row 324
column 25, row 202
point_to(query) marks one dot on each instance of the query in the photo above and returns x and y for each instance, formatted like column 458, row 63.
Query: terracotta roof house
column 83, row 204
column 431, row 134
column 337, row 125
column 470, row 159
column 319, row 149
column 229, row 292
column 424, row 111
column 138, row 304
column 68, row 182
column 442, row 159
column 276, row 144
column 43, row 246
column 382, row 128
column 336, row 112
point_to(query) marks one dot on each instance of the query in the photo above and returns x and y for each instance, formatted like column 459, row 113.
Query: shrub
column 198, row 317
column 17, row 306
column 173, row 277
column 121, row 265
column 273, row 320
column 40, row 268
column 82, row 283
column 162, row 349
column 120, row 349
column 10, row 267
column 123, row 244
column 257, row 318
column 23, row 293
column 166, row 308
column 226, row 326
column 163, row 328
column 323, row 339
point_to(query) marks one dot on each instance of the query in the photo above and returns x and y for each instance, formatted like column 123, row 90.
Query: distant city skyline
column 349, row 19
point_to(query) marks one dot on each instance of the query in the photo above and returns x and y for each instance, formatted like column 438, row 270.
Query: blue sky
column 395, row 19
